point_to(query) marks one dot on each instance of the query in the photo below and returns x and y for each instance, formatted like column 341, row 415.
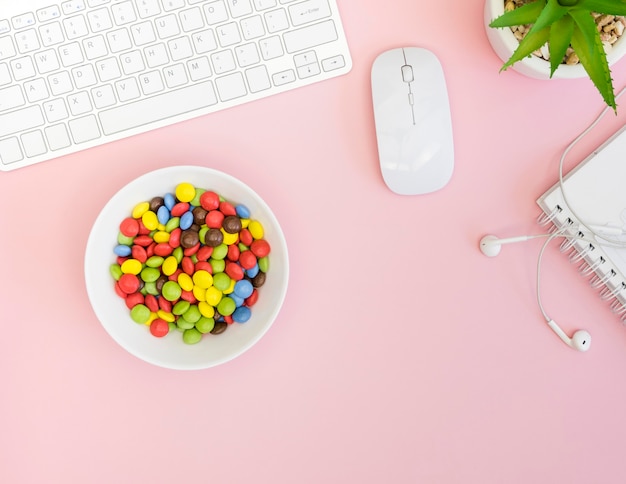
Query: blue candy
column 238, row 300
column 163, row 214
column 122, row 250
column 253, row 271
column 242, row 314
column 169, row 200
column 242, row 211
column 243, row 288
column 186, row 220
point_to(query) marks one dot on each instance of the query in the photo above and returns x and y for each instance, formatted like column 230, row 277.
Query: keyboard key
column 284, row 77
column 10, row 151
column 23, row 21
column 276, row 20
column 51, row 34
column 108, row 69
column 228, row 34
column 7, row 48
column 239, row 8
column 34, row 143
column 103, row 96
column 21, row 120
column 156, row 108
column 258, row 79
column 71, row 54
column 180, row 48
column 223, row 62
column 127, row 89
column 231, row 86
column 27, row 41
column 119, row 40
column 11, row 97
column 308, row 11
column 311, row 36
column 215, row 12
column 95, row 47
column 175, row 75
column 5, row 26
column 156, row 55
column 151, row 82
column 22, row 68
column 36, row 90
column 99, row 20
column 167, row 26
column 332, row 63
column 48, row 13
column 123, row 13
column 84, row 76
column 264, row 4
column 55, row 110
column 132, row 62
column 75, row 27
column 84, row 129
column 252, row 27
column 191, row 19
column 199, row 68
column 204, row 41
column 72, row 6
column 5, row 75
column 46, row 61
column 143, row 33
column 148, row 8
column 169, row 5
column 60, row 83
column 79, row 103
column 247, row 55
column 271, row 48
column 57, row 136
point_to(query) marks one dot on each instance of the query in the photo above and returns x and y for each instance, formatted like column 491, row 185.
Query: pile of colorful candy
column 190, row 261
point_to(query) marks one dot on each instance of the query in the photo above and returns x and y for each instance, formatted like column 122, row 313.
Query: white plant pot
column 504, row 44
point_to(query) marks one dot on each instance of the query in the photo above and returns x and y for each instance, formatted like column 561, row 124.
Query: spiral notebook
column 596, row 191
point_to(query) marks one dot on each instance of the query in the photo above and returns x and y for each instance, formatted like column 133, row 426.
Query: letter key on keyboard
column 76, row 74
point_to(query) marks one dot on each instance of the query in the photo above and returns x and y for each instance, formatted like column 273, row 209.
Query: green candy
column 123, row 240
column 183, row 324
column 178, row 254
column 226, row 306
column 196, row 199
column 205, row 325
column 155, row 261
column 192, row 314
column 264, row 264
column 220, row 252
column 116, row 271
column 217, row 266
column 221, row 281
column 180, row 307
column 172, row 224
column 202, row 233
column 150, row 288
column 150, row 274
column 171, row 291
column 140, row 314
column 192, row 336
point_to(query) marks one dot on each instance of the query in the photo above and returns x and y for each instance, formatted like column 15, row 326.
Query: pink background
column 401, row 355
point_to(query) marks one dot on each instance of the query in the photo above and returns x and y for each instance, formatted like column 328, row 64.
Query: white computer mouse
column 413, row 122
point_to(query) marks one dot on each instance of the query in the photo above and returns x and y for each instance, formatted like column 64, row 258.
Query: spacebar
column 157, row 108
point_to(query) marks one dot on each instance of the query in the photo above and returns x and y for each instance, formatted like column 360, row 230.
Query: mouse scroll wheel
column 407, row 73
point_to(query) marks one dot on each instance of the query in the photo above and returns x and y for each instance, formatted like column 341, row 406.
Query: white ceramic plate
column 170, row 351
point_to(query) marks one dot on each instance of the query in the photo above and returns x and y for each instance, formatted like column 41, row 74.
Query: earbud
column 580, row 340
column 490, row 245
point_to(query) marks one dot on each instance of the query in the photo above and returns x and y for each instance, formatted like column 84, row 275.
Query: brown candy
column 189, row 238
column 220, row 327
column 156, row 203
column 199, row 215
column 259, row 279
column 232, row 224
column 213, row 237
column 160, row 281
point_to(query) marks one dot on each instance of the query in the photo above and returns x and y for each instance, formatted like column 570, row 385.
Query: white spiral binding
column 545, row 219
column 587, row 269
column 607, row 293
column 597, row 281
column 577, row 256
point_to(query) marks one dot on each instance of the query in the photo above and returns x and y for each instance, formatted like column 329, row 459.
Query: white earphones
column 490, row 245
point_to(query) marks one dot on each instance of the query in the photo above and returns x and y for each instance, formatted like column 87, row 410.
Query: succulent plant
column 561, row 24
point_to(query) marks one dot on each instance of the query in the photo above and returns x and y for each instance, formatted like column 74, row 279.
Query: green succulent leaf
column 552, row 12
column 588, row 46
column 526, row 14
column 560, row 39
column 529, row 44
column 610, row 7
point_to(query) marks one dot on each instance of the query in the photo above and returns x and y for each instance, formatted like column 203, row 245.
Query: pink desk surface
column 401, row 355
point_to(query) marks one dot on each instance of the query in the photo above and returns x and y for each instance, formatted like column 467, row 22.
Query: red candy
column 233, row 253
column 139, row 253
column 260, row 248
column 245, row 237
column 129, row 283
column 179, row 209
column 163, row 249
column 252, row 298
column 175, row 237
column 234, row 271
column 159, row 327
column 214, row 219
column 204, row 253
column 209, row 200
column 143, row 240
column 133, row 299
column 187, row 265
column 227, row 209
column 129, row 227
column 247, row 259
column 152, row 302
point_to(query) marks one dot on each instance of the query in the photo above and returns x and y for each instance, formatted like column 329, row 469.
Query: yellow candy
column 161, row 237
column 230, row 239
column 213, row 296
column 231, row 288
column 256, row 229
column 199, row 293
column 140, row 209
column 185, row 192
column 131, row 266
column 169, row 265
column 150, row 220
column 206, row 309
column 185, row 282
column 165, row 316
column 203, row 279
column 245, row 222
column 152, row 317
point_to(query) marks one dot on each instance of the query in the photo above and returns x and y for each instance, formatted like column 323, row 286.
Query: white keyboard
column 80, row 73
